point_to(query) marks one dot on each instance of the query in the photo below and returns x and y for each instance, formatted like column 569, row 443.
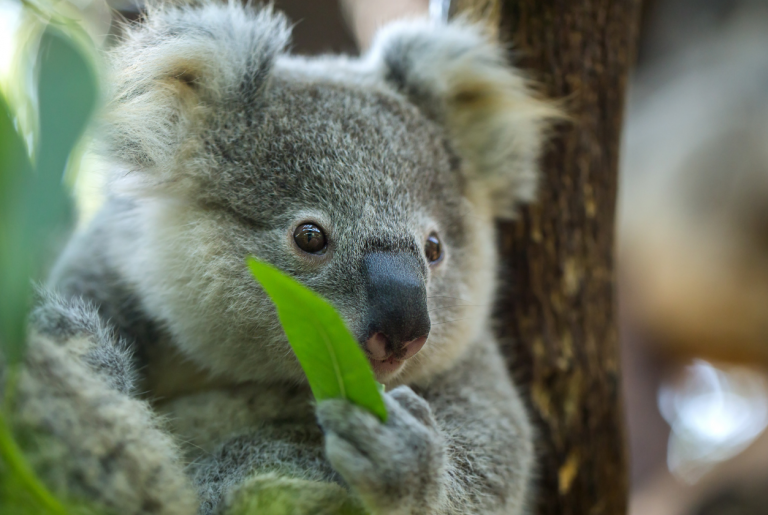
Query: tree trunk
column 557, row 311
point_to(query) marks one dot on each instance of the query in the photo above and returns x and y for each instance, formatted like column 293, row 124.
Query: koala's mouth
column 386, row 367
column 385, row 362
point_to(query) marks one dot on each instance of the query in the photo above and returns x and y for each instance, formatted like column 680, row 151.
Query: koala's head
column 373, row 181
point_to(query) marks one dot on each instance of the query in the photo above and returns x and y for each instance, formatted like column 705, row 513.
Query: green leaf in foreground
column 67, row 92
column 67, row 96
column 330, row 356
column 33, row 203
column 15, row 168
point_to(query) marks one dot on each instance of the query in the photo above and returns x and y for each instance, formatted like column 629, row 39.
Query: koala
column 374, row 181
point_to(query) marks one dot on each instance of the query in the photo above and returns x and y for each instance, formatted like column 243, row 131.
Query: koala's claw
column 394, row 467
column 415, row 405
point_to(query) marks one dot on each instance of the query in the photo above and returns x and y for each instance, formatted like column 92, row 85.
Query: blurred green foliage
column 15, row 170
column 33, row 203
column 33, row 207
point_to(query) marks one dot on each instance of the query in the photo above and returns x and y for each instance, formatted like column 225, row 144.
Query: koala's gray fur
column 74, row 411
column 219, row 143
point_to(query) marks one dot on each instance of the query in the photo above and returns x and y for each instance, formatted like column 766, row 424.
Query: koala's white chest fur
column 203, row 411
column 201, row 421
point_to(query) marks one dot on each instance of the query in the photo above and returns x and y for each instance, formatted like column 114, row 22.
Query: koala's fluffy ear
column 176, row 67
column 461, row 79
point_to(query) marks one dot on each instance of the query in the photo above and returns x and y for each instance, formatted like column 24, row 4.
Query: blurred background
column 692, row 242
column 693, row 259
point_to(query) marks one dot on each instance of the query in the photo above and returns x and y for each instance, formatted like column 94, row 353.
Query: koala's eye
column 310, row 238
column 433, row 249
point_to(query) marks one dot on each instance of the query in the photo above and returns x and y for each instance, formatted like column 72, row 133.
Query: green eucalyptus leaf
column 34, row 206
column 15, row 169
column 67, row 95
column 330, row 356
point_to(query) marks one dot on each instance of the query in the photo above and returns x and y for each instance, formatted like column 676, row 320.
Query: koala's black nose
column 398, row 320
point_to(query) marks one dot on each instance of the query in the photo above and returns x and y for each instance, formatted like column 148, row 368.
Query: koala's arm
column 82, row 431
column 462, row 445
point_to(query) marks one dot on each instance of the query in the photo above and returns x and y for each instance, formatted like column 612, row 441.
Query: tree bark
column 558, row 309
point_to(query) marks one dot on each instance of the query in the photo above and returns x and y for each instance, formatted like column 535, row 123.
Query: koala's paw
column 397, row 467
